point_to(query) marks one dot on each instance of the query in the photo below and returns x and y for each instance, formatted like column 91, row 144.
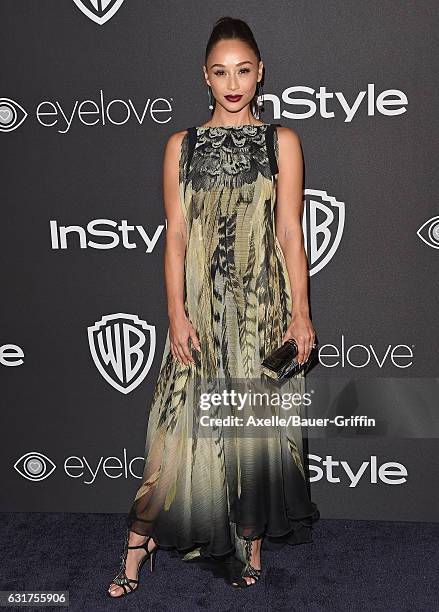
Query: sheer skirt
column 211, row 486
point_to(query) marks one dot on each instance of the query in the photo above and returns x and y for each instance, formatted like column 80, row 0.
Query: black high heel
column 122, row 579
column 249, row 571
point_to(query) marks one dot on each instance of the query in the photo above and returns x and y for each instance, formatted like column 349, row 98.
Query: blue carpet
column 350, row 566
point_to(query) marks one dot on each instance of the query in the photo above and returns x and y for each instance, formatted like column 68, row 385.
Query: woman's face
column 232, row 70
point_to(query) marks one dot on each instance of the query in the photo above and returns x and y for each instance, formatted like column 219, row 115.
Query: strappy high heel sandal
column 249, row 571
column 122, row 579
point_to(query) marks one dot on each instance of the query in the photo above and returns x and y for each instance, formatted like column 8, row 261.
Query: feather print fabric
column 208, row 488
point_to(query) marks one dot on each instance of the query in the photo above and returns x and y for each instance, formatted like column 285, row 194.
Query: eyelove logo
column 11, row 355
column 12, row 115
column 361, row 355
column 429, row 232
column 53, row 114
column 36, row 466
column 89, row 112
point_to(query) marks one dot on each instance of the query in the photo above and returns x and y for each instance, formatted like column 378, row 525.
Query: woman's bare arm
column 180, row 329
column 176, row 226
column 288, row 221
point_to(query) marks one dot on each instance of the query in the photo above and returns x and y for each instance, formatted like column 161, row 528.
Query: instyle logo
column 335, row 471
column 361, row 355
column 328, row 104
column 429, row 232
column 323, row 224
column 99, row 11
column 74, row 236
column 122, row 347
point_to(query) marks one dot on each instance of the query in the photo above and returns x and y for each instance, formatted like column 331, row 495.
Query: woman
column 236, row 290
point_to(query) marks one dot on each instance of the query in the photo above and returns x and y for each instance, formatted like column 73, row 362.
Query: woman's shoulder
column 289, row 148
column 175, row 139
column 173, row 145
column 287, row 135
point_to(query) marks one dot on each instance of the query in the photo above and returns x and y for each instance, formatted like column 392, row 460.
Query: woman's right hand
column 180, row 330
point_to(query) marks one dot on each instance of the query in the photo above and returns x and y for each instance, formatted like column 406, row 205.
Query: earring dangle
column 257, row 103
column 209, row 93
column 260, row 95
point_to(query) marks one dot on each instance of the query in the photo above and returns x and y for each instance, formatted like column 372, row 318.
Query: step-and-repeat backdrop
column 90, row 92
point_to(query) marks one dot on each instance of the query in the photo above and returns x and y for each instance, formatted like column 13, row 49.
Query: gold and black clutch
column 282, row 362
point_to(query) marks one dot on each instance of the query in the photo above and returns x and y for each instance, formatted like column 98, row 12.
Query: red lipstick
column 233, row 98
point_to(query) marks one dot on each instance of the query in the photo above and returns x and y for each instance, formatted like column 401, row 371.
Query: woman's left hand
column 302, row 330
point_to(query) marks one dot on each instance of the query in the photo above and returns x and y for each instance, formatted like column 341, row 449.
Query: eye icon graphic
column 429, row 232
column 12, row 115
column 34, row 466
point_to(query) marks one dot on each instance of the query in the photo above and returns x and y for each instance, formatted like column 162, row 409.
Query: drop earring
column 258, row 100
column 260, row 96
column 209, row 94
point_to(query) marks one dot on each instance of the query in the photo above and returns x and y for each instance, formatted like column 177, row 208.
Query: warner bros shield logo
column 117, row 344
column 99, row 11
column 322, row 224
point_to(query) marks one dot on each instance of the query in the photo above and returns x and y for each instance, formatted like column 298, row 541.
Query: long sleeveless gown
column 209, row 487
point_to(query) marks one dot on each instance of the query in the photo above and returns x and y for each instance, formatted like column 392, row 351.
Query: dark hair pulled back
column 227, row 28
